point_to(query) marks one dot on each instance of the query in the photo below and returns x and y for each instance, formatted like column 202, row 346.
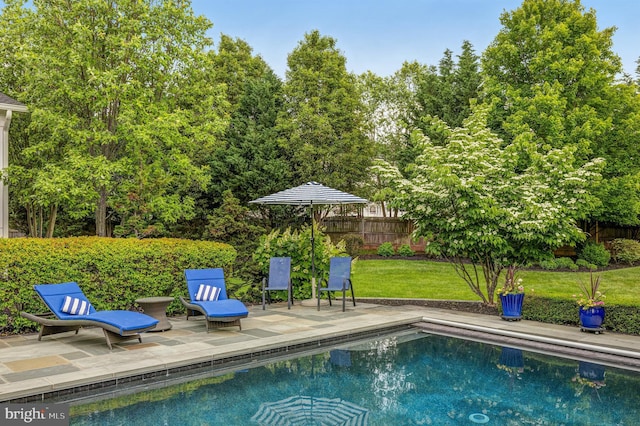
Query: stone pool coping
column 66, row 366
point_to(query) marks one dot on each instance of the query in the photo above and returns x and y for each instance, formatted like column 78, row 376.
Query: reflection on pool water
column 415, row 379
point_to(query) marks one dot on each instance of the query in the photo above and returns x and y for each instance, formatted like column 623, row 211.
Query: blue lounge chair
column 72, row 311
column 208, row 295
column 339, row 279
column 279, row 279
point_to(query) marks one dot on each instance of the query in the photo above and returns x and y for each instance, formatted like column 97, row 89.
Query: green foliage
column 321, row 126
column 625, row 250
column 596, row 254
column 548, row 264
column 406, row 251
column 566, row 263
column 549, row 310
column 559, row 263
column 584, row 264
column 123, row 110
column 297, row 246
column 232, row 223
column 551, row 72
column 111, row 272
column 447, row 93
column 250, row 163
column 386, row 249
column 353, row 244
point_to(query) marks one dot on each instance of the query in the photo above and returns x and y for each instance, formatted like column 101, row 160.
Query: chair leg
column 329, row 296
column 353, row 296
column 344, row 292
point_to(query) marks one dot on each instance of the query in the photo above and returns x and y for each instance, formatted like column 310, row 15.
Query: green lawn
column 438, row 280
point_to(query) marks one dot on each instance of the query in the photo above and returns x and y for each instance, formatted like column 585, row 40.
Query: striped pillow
column 207, row 293
column 75, row 306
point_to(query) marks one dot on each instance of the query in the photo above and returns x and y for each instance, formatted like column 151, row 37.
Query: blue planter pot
column 512, row 306
column 592, row 317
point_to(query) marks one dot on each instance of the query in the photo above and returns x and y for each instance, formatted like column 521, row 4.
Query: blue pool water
column 416, row 379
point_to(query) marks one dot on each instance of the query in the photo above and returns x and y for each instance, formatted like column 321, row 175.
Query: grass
column 438, row 280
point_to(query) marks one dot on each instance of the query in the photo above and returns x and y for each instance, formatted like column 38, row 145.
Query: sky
column 379, row 35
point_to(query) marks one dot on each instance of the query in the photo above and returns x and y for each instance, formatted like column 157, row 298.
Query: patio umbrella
column 310, row 194
column 307, row 410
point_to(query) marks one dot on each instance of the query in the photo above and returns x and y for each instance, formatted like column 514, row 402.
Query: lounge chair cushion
column 207, row 293
column 223, row 308
column 75, row 306
column 123, row 320
column 54, row 295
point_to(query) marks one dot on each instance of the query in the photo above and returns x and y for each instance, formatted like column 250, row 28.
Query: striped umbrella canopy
column 310, row 194
column 308, row 410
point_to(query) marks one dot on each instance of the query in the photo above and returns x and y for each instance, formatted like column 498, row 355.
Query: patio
column 66, row 366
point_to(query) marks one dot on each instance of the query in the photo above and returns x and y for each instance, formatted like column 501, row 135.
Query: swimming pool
column 410, row 379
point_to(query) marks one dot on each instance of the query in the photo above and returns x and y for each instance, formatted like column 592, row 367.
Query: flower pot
column 592, row 318
column 512, row 306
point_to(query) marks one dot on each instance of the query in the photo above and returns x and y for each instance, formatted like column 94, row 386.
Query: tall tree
column 322, row 128
column 251, row 163
column 446, row 91
column 125, row 88
column 550, row 70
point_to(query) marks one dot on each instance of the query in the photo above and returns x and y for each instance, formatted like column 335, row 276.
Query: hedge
column 111, row 272
column 620, row 319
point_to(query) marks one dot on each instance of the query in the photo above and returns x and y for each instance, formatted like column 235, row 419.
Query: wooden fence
column 373, row 231
column 397, row 231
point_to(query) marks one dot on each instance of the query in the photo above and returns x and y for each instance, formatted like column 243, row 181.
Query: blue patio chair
column 208, row 297
column 339, row 279
column 72, row 310
column 279, row 279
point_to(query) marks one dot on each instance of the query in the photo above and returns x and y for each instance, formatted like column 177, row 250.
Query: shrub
column 386, row 249
column 549, row 264
column 624, row 250
column 557, row 263
column 353, row 244
column 297, row 246
column 566, row 262
column 405, row 250
column 619, row 319
column 595, row 254
column 584, row 264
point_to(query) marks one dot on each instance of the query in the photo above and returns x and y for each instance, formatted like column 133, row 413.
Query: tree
column 549, row 70
column 322, row 128
column 475, row 199
column 125, row 88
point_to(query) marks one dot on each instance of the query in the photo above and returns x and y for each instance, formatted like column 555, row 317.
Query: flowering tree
column 486, row 206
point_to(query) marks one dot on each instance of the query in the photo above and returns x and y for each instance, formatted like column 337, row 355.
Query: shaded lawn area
column 424, row 279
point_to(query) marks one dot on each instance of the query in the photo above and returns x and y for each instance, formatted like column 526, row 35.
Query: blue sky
column 379, row 35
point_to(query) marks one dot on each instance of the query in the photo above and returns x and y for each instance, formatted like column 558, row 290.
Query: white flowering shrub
column 496, row 205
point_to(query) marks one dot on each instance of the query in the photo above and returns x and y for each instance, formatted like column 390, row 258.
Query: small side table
column 156, row 307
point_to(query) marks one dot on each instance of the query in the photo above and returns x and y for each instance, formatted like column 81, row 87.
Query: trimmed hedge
column 620, row 319
column 111, row 272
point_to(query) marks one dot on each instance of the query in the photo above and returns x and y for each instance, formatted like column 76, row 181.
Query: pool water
column 415, row 379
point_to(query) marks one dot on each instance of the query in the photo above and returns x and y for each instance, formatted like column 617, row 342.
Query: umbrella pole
column 313, row 263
